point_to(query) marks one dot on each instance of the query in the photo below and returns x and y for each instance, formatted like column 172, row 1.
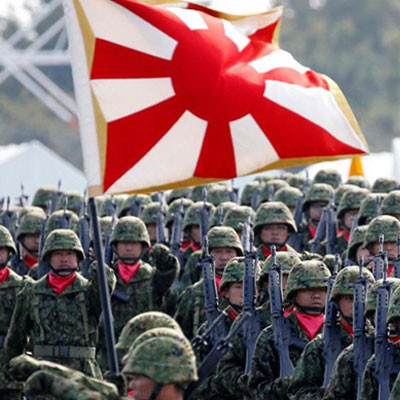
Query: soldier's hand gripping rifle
column 162, row 236
column 378, row 259
column 210, row 362
column 210, row 294
column 280, row 325
column 84, row 235
column 295, row 238
column 332, row 334
column 252, row 327
column 363, row 344
column 396, row 261
column 384, row 350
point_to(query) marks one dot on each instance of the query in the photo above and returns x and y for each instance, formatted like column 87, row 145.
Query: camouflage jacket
column 308, row 375
column 370, row 387
column 230, row 382
column 264, row 381
column 395, row 393
column 191, row 271
column 69, row 319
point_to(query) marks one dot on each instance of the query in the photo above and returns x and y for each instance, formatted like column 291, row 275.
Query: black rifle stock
column 84, row 235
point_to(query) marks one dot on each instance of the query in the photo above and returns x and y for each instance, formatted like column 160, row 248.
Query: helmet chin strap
column 33, row 253
column 129, row 260
column 349, row 320
column 61, row 270
column 156, row 392
column 270, row 244
column 309, row 310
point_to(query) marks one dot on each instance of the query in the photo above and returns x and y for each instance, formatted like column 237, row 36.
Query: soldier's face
column 235, row 294
column 62, row 260
column 345, row 304
column 390, row 247
column 362, row 252
column 129, row 249
column 32, row 242
column 152, row 230
column 274, row 233
column 315, row 211
column 195, row 233
column 348, row 218
column 314, row 298
column 222, row 255
column 4, row 253
column 141, row 385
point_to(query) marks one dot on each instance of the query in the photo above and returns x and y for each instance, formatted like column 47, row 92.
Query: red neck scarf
column 130, row 394
column 218, row 283
column 127, row 272
column 267, row 251
column 60, row 283
column 310, row 324
column 312, row 231
column 233, row 313
column 29, row 260
column 4, row 272
column 346, row 235
column 347, row 327
column 194, row 246
column 185, row 245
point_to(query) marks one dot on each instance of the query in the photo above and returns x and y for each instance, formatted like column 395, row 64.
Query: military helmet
column 142, row 323
column 310, row 274
column 174, row 207
column 30, row 209
column 62, row 239
column 351, row 200
column 221, row 211
column 193, row 214
column 341, row 190
column 297, row 181
column 236, row 217
column 345, row 279
column 286, row 259
column 370, row 305
column 224, row 236
column 43, row 195
column 356, row 240
column 328, row 176
column 6, row 239
column 177, row 194
column 74, row 201
column 30, row 224
column 384, row 224
column 384, row 185
column 150, row 212
column 107, row 206
column 218, row 194
column 329, row 260
column 129, row 202
column 272, row 186
column 369, row 208
column 130, row 229
column 248, row 192
column 164, row 360
column 106, row 225
column 58, row 220
column 233, row 273
column 317, row 192
column 263, row 178
column 391, row 204
column 274, row 212
column 360, row 181
column 197, row 193
column 394, row 306
column 288, row 196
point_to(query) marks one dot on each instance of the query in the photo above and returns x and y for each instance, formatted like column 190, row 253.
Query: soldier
column 306, row 292
column 140, row 287
column 328, row 176
column 10, row 284
column 270, row 188
column 309, row 372
column 390, row 228
column 360, row 181
column 149, row 217
column 43, row 196
column 133, row 204
column 237, row 217
column 391, row 204
column 288, row 196
column 356, row 248
column 73, row 199
column 178, row 194
column 224, row 244
column 370, row 208
column 220, row 213
column 159, row 368
column 60, row 312
column 218, row 194
column 317, row 197
column 272, row 226
column 248, row 192
column 297, row 181
column 384, row 185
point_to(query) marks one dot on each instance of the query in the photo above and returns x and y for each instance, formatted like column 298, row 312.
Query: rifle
column 295, row 238
column 23, row 198
column 321, row 231
column 280, row 325
column 84, row 226
column 234, row 193
column 210, row 362
column 66, row 218
column 176, row 243
column 331, row 229
column 210, row 294
column 384, row 350
column 204, row 221
column 396, row 261
column 220, row 216
column 363, row 345
column 379, row 259
column 136, row 207
column 43, row 266
column 255, row 198
column 354, row 225
column 252, row 328
column 332, row 337
column 161, row 231
column 246, row 233
column 271, row 192
column 55, row 197
column 108, row 249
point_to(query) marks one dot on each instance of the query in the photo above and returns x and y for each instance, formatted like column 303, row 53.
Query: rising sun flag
column 174, row 95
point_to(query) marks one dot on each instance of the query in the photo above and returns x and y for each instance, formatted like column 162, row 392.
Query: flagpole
column 108, row 320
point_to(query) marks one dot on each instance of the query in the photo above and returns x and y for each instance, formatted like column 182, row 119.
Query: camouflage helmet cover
column 360, row 181
column 193, row 214
column 288, row 196
column 391, row 204
column 369, row 207
column 345, row 279
column 274, row 212
column 174, row 207
column 164, row 360
column 197, row 193
column 177, row 194
column 384, row 185
column 351, row 200
column 218, row 194
column 56, row 221
column 6, row 239
column 310, row 274
column 150, row 213
column 62, row 239
column 341, row 190
column 236, row 217
column 30, row 209
column 384, row 224
column 297, row 181
column 43, row 195
column 130, row 201
column 356, row 240
column 275, row 184
column 370, row 305
column 30, row 224
column 75, row 200
column 394, row 305
column 328, row 176
column 222, row 208
column 224, row 236
column 248, row 192
column 286, row 259
column 130, row 229
column 318, row 192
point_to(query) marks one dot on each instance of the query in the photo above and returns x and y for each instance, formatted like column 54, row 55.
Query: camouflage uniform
column 328, row 176
column 340, row 191
column 384, row 185
column 264, row 380
column 62, row 327
column 370, row 207
column 309, row 372
column 191, row 313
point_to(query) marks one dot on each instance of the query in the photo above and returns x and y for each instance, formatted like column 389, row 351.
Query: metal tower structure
column 21, row 58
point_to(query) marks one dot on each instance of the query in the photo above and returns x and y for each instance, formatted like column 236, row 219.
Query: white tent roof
column 33, row 165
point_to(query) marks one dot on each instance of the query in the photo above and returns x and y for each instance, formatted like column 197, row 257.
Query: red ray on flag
column 186, row 96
